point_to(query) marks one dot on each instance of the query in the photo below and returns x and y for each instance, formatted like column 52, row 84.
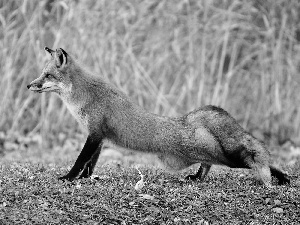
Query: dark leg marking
column 89, row 149
column 89, row 168
column 201, row 174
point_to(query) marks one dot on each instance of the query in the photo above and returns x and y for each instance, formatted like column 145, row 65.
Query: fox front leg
column 89, row 150
column 89, row 168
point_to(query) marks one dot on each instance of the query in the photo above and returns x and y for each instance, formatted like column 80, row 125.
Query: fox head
column 55, row 76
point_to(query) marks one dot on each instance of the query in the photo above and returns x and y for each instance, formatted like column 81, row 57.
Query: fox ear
column 50, row 51
column 61, row 58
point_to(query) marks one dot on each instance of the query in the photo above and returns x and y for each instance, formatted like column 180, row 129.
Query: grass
column 226, row 196
column 169, row 57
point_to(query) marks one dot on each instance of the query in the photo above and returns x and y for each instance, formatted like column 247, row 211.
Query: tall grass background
column 170, row 57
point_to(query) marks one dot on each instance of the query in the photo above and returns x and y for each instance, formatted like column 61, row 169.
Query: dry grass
column 168, row 56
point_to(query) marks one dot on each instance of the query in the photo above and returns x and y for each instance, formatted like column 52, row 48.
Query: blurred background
column 170, row 57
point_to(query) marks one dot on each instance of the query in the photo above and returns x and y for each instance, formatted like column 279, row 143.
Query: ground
column 30, row 193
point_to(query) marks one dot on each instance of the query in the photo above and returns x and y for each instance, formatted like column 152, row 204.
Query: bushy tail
column 282, row 177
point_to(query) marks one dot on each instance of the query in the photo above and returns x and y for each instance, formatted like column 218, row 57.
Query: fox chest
column 78, row 114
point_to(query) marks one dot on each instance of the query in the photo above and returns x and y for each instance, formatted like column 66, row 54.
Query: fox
column 208, row 135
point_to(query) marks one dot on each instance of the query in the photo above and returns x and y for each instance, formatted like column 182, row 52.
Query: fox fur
column 207, row 135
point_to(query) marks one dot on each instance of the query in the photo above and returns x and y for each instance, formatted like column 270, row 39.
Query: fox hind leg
column 201, row 173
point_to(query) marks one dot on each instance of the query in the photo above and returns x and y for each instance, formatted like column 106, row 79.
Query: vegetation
column 31, row 194
column 169, row 56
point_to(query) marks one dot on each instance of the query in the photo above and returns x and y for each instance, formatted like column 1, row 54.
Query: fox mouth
column 39, row 90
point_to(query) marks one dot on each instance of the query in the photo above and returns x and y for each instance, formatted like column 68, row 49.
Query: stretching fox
column 208, row 135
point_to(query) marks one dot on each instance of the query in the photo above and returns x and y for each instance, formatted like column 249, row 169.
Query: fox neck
column 76, row 96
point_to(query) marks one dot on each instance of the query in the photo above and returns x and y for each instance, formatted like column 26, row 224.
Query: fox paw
column 66, row 178
column 85, row 174
column 192, row 177
column 82, row 176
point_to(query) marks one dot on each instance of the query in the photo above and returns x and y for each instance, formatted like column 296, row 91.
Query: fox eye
column 48, row 75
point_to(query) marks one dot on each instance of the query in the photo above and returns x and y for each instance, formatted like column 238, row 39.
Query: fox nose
column 28, row 86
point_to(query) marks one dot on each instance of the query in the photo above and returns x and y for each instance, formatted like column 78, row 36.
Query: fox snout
column 37, row 85
column 45, row 83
